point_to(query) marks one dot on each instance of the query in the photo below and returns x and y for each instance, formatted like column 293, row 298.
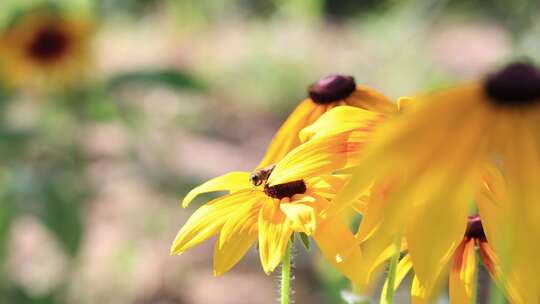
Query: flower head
column 325, row 94
column 44, row 45
column 269, row 214
column 434, row 156
column 463, row 264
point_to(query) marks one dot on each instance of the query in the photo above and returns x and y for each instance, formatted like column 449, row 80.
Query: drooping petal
column 418, row 292
column 237, row 236
column 425, row 174
column 339, row 246
column 301, row 214
column 274, row 234
column 434, row 232
column 522, row 164
column 342, row 119
column 208, row 220
column 496, row 212
column 420, row 140
column 403, row 268
column 286, row 138
column 462, row 282
column 232, row 181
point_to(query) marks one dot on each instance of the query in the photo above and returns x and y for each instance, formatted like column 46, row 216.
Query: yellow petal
column 232, row 181
column 208, row 220
column 405, row 102
column 342, row 119
column 422, row 180
column 519, row 256
column 510, row 285
column 326, row 185
column 237, row 236
column 420, row 140
column 317, row 157
column 244, row 218
column 301, row 215
column 418, row 292
column 434, row 232
column 339, row 246
column 274, row 234
column 367, row 98
column 462, row 282
column 286, row 138
column 403, row 268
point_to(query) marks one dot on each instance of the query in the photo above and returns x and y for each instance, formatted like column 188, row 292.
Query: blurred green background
column 175, row 92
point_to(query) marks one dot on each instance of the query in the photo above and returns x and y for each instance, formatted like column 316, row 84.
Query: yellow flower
column 434, row 156
column 462, row 279
column 44, row 47
column 327, row 93
column 269, row 214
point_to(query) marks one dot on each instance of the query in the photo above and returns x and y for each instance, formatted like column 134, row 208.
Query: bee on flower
column 45, row 46
column 257, row 211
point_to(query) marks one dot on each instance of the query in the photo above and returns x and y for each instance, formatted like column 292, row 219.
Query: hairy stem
column 286, row 276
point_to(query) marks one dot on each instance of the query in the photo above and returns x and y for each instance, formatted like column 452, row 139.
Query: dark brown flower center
column 475, row 229
column 515, row 85
column 48, row 44
column 332, row 88
column 285, row 190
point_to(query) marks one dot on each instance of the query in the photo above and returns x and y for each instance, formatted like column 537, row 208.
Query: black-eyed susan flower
column 325, row 94
column 269, row 214
column 463, row 264
column 44, row 47
column 434, row 156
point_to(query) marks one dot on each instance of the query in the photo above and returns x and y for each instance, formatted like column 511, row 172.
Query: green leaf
column 177, row 80
column 305, row 241
column 16, row 294
column 63, row 218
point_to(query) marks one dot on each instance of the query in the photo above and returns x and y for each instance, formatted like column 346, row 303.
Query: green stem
column 286, row 276
column 391, row 279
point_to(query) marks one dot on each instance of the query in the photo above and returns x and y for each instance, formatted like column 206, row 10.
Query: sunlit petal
column 342, row 119
column 301, row 215
column 338, row 245
column 229, row 182
column 237, row 236
column 274, row 234
column 208, row 220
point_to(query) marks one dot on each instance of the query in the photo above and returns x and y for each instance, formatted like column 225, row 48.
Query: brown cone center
column 48, row 44
column 332, row 88
column 289, row 189
column 515, row 85
column 475, row 230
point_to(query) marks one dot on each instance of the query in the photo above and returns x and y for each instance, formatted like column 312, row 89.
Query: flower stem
column 286, row 276
column 391, row 279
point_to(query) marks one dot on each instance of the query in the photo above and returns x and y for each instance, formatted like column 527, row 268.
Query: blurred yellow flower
column 269, row 214
column 45, row 47
column 434, row 156
column 462, row 278
column 327, row 93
